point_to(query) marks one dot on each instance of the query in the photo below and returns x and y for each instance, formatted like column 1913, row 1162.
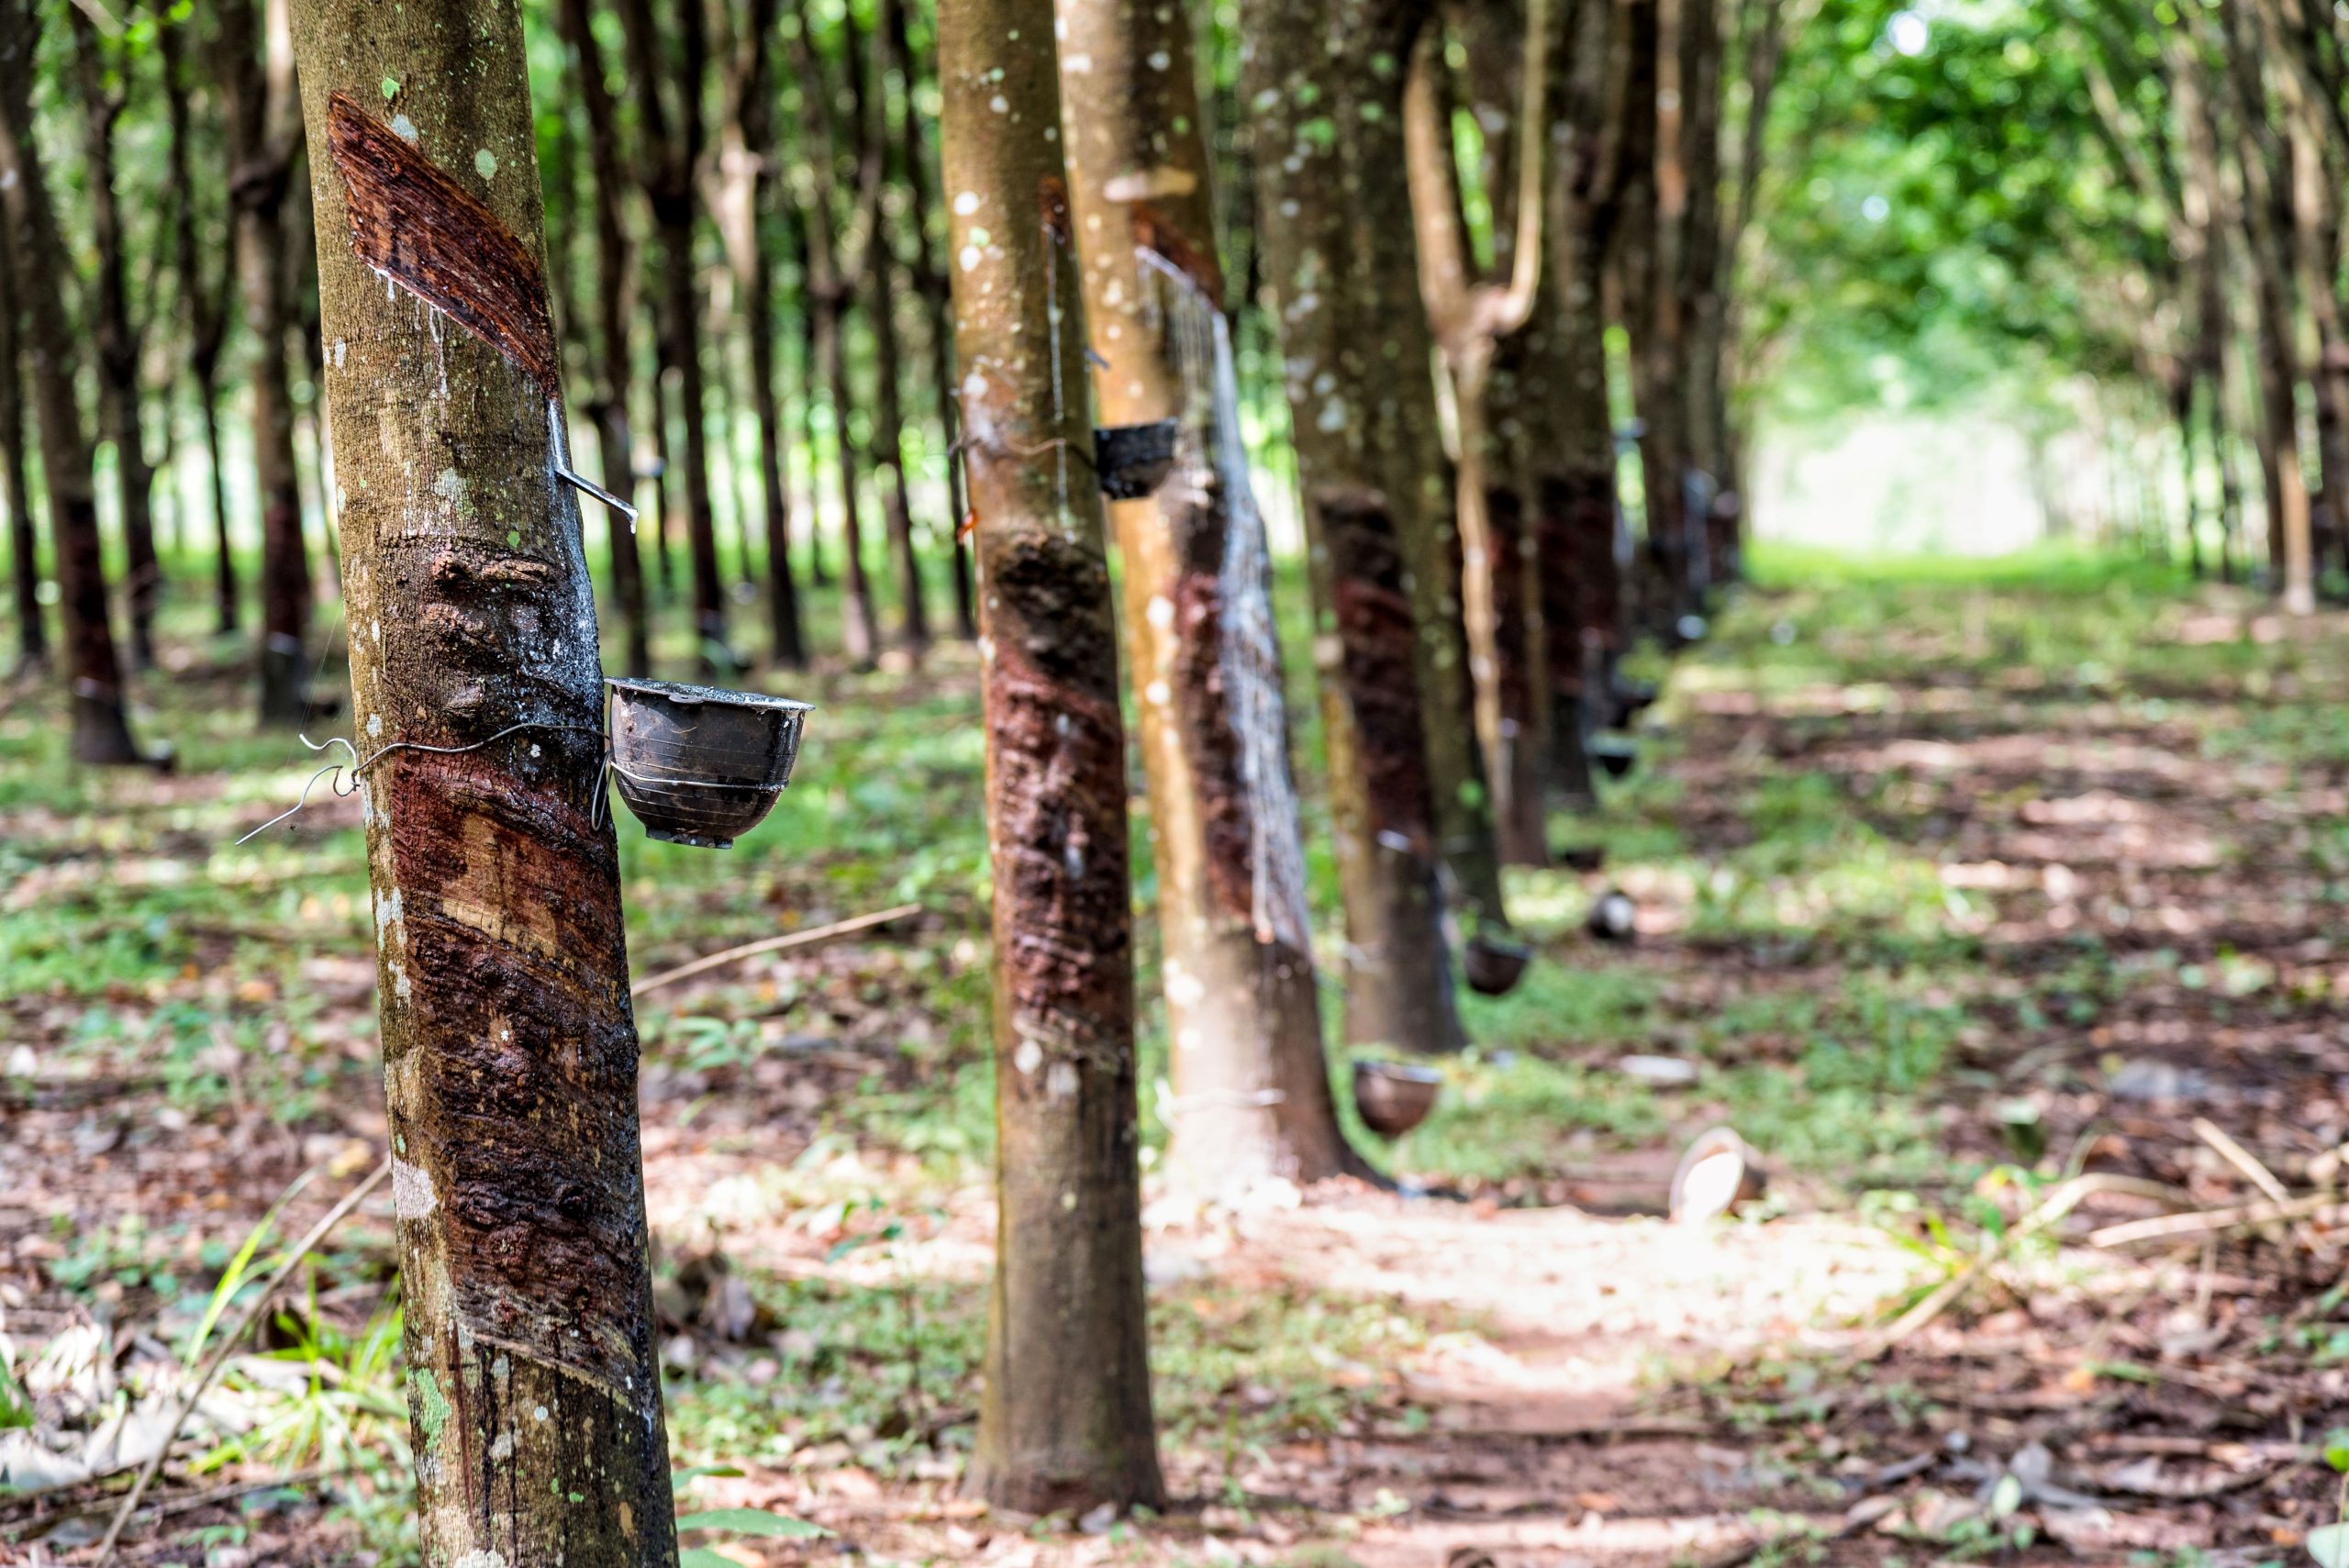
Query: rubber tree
column 102, row 70
column 882, row 289
column 830, row 272
column 204, row 301
column 1066, row 1420
column 51, row 353
column 1382, row 799
column 1251, row 1096
column 746, row 197
column 510, row 1051
column 255, row 72
column 672, row 131
column 615, row 308
column 1483, row 328
column 24, row 540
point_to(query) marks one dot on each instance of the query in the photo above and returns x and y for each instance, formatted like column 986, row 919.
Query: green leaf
column 680, row 1478
column 2328, row 1544
column 749, row 1522
column 703, row 1557
column 2336, row 1448
column 2007, row 1496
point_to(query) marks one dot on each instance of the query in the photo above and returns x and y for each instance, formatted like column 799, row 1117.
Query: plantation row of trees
column 2005, row 199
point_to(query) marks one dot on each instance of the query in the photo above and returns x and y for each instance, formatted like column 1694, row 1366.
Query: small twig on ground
column 773, row 944
column 2242, row 1158
column 229, row 1343
column 2218, row 1221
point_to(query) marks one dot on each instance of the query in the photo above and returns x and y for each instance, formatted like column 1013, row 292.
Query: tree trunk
column 1066, row 1420
column 510, row 1051
column 205, row 305
column 881, row 290
column 829, row 290
column 673, row 145
column 930, row 281
column 101, row 735
column 615, row 308
column 114, row 338
column 1251, row 1087
column 747, row 159
column 1399, row 976
column 24, row 541
column 263, row 121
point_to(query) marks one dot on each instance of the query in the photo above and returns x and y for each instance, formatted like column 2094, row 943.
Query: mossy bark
column 1066, row 1421
column 1251, row 1083
column 1335, row 334
column 510, row 1049
column 43, row 271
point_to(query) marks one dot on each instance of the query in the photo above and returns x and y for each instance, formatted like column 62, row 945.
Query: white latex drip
column 1198, row 344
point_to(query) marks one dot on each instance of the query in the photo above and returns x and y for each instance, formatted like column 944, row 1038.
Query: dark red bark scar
column 1203, row 696
column 1052, row 198
column 1163, row 239
column 413, row 222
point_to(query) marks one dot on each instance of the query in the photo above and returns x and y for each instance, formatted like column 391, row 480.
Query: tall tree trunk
column 1711, row 530
column 828, row 286
column 1399, row 976
column 24, row 543
column 68, row 468
column 1396, row 399
column 930, row 281
column 673, row 143
column 881, row 290
column 1251, row 1087
column 255, row 74
column 1066, row 1420
column 206, row 303
column 615, row 308
column 811, row 370
column 114, row 337
column 747, row 165
column 510, row 1051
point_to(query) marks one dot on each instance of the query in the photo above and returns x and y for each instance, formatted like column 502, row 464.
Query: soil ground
column 1954, row 885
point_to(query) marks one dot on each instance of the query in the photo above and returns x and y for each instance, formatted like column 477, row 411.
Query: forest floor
column 1955, row 883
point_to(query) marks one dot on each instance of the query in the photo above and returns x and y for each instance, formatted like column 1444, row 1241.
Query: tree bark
column 829, row 288
column 255, row 74
column 672, row 137
column 746, row 164
column 101, row 735
column 205, row 305
column 1066, row 1421
column 930, row 281
column 1251, row 1087
column 1366, row 645
column 615, row 308
column 115, row 337
column 510, row 1051
column 24, row 541
column 881, row 289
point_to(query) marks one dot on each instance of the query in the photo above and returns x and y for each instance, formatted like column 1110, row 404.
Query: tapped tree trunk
column 1251, row 1087
column 101, row 735
column 510, row 1050
column 881, row 293
column 1066, row 1421
column 255, row 74
column 24, row 543
column 114, row 337
column 1366, row 645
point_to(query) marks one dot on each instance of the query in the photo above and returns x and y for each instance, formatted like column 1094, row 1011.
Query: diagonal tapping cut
column 413, row 222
